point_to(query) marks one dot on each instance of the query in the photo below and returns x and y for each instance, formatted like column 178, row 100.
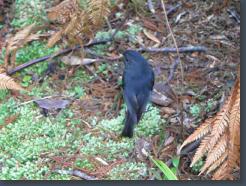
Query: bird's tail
column 131, row 120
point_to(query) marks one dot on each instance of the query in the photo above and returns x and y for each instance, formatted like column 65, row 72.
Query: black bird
column 138, row 81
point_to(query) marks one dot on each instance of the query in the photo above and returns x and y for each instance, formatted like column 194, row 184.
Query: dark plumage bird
column 138, row 81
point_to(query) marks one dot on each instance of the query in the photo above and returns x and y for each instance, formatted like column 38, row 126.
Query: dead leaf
column 150, row 25
column 151, row 36
column 7, row 82
column 142, row 148
column 163, row 94
column 75, row 60
column 169, row 140
column 168, row 110
column 50, row 104
column 160, row 99
column 18, row 41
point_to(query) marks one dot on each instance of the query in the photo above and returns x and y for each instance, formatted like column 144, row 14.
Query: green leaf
column 174, row 170
column 25, row 84
column 27, row 78
column 175, row 162
column 165, row 169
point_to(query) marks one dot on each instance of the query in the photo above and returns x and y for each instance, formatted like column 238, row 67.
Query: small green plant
column 31, row 51
column 3, row 94
column 26, row 80
column 34, row 12
column 128, row 171
column 197, row 166
column 34, row 50
column 134, row 29
column 103, row 68
column 100, row 49
column 168, row 173
column 131, row 32
column 85, row 164
column 209, row 105
column 175, row 162
column 79, row 91
column 195, row 110
column 6, row 109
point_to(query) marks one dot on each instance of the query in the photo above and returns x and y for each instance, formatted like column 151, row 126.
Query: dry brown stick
column 174, row 40
column 181, row 67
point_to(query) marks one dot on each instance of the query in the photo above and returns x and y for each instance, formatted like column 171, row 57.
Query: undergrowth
column 23, row 141
column 34, row 13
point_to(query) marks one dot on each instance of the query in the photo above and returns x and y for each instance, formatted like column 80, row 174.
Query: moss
column 128, row 171
column 108, row 148
column 22, row 142
column 148, row 125
column 34, row 13
column 3, row 94
column 85, row 164
column 197, row 166
column 6, row 109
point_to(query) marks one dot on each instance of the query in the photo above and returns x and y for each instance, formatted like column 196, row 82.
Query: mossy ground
column 30, row 143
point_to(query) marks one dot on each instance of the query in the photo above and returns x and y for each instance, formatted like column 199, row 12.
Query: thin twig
column 181, row 66
column 174, row 40
column 171, row 50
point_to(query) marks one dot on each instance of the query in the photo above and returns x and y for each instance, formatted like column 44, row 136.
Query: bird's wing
column 131, row 101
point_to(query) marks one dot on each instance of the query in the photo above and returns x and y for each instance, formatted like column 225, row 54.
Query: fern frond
column 219, row 174
column 7, row 82
column 19, row 40
column 54, row 39
column 202, row 149
column 215, row 153
column 201, row 131
column 79, row 23
column 233, row 144
column 220, row 123
column 217, row 163
column 62, row 13
column 221, row 141
column 98, row 10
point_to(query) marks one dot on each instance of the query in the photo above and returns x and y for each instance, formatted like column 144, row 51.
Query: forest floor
column 81, row 139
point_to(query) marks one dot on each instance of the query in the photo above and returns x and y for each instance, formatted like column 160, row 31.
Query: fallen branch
column 35, row 61
column 77, row 173
column 174, row 50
